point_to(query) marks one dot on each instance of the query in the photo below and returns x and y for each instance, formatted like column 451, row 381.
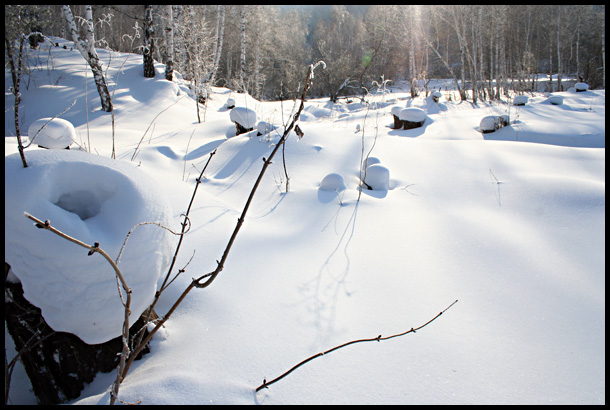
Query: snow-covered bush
column 244, row 119
column 580, row 87
column 378, row 177
column 556, row 99
column 57, row 134
column 333, row 182
column 520, row 100
column 412, row 117
column 93, row 199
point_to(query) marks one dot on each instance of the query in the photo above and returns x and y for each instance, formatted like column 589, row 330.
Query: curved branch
column 374, row 339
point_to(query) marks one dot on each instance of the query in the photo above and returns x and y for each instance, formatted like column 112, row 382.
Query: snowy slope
column 509, row 223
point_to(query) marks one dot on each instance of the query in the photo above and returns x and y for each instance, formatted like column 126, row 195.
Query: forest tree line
column 263, row 49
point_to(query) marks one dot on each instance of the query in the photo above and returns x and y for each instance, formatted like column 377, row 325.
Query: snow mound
column 412, row 114
column 520, row 100
column 57, row 134
column 396, row 110
column 93, row 199
column 332, row 182
column 264, row 127
column 491, row 123
column 370, row 161
column 245, row 117
column 556, row 99
column 581, row 87
column 378, row 177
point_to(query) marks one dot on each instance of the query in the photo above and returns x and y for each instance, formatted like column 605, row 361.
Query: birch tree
column 149, row 67
column 87, row 49
column 169, row 42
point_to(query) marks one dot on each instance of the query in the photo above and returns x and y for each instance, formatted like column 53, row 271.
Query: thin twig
column 374, row 339
column 93, row 249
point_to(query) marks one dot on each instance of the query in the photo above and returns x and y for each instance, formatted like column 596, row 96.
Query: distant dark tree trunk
column 58, row 364
column 149, row 44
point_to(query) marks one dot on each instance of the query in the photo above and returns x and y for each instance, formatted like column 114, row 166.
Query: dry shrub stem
column 374, row 339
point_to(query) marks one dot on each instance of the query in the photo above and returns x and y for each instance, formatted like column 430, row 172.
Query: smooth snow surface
column 510, row 223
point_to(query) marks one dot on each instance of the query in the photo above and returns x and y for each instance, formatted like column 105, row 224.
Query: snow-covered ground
column 510, row 223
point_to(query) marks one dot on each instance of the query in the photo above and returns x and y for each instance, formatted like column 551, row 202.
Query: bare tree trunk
column 149, row 44
column 242, row 68
column 87, row 50
column 169, row 31
column 559, row 49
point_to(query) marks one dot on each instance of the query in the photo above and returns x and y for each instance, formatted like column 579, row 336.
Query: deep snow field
column 509, row 223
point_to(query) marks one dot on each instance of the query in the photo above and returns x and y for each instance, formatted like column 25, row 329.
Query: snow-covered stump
column 230, row 104
column 520, row 100
column 396, row 114
column 436, row 96
column 59, row 364
column 52, row 133
column 581, row 87
column 244, row 119
column 556, row 99
column 93, row 199
column 412, row 117
column 492, row 123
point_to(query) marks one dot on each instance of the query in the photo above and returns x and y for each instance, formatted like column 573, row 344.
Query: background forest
column 485, row 49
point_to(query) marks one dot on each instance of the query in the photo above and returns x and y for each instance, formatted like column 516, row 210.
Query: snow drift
column 93, row 199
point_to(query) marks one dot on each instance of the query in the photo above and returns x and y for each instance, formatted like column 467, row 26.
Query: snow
column 556, row 99
column 520, row 100
column 333, row 182
column 510, row 223
column 581, row 86
column 412, row 114
column 53, row 133
column 246, row 117
column 93, row 199
column 378, row 177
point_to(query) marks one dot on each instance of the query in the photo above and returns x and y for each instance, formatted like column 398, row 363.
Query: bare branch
column 374, row 339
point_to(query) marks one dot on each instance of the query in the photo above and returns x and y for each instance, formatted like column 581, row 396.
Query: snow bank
column 56, row 134
column 93, row 199
column 245, row 117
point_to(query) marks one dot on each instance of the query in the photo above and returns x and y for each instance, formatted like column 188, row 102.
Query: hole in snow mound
column 83, row 203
